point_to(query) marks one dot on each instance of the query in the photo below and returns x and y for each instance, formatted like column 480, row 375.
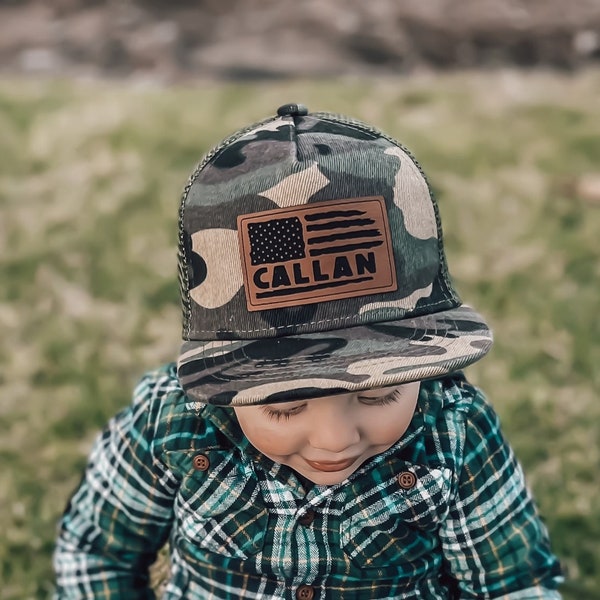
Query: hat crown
column 308, row 222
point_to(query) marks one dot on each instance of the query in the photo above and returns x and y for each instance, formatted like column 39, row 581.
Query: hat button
column 292, row 110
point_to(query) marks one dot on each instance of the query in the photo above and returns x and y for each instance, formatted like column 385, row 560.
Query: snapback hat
column 311, row 263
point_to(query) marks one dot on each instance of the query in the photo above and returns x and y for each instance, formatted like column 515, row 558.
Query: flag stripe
column 339, row 224
column 346, row 248
column 333, row 214
column 348, row 235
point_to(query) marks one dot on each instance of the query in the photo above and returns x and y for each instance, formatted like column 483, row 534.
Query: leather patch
column 316, row 253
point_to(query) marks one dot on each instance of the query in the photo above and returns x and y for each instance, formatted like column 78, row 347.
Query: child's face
column 327, row 439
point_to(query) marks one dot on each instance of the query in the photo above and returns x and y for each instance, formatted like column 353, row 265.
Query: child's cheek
column 273, row 441
column 392, row 433
column 389, row 428
column 283, row 445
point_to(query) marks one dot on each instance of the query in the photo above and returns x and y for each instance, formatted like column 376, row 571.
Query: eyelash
column 278, row 415
column 285, row 415
column 387, row 399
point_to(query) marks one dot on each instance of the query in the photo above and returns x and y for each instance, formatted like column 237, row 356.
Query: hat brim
column 261, row 371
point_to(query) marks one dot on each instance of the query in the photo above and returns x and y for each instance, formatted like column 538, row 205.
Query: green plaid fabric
column 444, row 513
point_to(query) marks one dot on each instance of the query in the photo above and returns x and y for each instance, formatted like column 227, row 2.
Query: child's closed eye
column 278, row 414
column 394, row 396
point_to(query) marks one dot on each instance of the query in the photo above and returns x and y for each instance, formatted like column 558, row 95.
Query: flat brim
column 267, row 370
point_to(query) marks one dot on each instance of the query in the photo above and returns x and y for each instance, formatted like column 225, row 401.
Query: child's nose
column 334, row 432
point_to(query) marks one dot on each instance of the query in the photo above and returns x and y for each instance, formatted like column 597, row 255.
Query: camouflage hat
column 311, row 263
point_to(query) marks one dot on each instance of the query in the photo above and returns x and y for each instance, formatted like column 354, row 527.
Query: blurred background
column 249, row 39
column 105, row 109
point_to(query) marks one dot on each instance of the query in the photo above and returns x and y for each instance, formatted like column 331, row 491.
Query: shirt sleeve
column 121, row 513
column 494, row 542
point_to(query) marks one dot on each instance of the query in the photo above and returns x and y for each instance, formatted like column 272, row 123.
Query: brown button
column 201, row 462
column 305, row 592
column 407, row 480
column 307, row 518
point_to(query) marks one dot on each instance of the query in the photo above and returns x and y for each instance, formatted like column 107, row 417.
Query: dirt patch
column 281, row 38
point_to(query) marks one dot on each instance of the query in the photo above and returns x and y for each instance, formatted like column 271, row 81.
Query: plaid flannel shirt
column 444, row 513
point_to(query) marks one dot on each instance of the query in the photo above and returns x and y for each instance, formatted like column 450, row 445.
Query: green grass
column 90, row 179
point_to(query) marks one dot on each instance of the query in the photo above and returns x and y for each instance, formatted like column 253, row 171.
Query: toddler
column 317, row 438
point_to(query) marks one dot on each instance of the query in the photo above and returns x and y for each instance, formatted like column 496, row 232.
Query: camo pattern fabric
column 311, row 261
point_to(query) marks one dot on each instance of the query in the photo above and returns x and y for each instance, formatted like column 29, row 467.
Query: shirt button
column 201, row 462
column 305, row 592
column 307, row 518
column 407, row 480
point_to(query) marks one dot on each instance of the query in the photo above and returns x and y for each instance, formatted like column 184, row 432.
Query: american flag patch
column 316, row 252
